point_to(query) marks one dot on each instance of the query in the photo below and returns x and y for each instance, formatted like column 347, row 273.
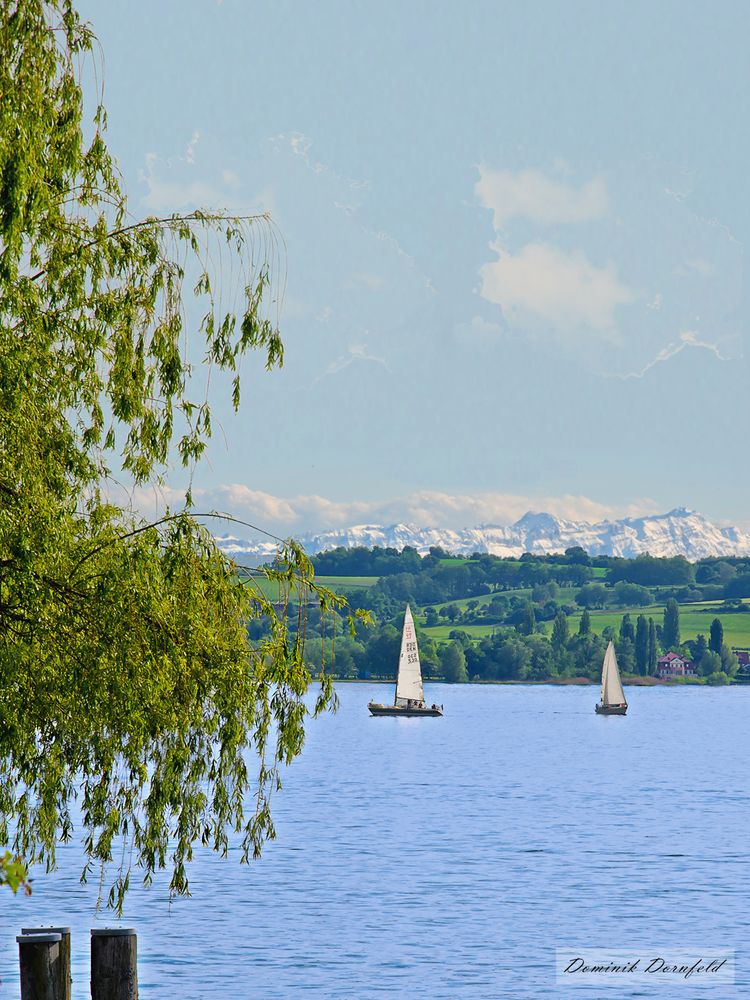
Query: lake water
column 449, row 857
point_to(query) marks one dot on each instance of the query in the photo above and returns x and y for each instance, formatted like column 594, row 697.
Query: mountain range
column 679, row 532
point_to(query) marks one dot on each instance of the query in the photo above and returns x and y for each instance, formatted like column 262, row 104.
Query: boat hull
column 611, row 709
column 402, row 710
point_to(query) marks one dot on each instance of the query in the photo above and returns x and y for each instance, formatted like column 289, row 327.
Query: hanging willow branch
column 127, row 679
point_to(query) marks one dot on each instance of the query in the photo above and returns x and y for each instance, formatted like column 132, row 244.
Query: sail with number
column 612, row 692
column 409, row 683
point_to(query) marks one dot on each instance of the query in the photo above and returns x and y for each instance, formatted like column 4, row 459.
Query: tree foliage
column 716, row 636
column 127, row 677
column 527, row 624
column 671, row 625
column 710, row 663
column 13, row 874
column 453, row 662
column 593, row 595
column 626, row 628
column 641, row 645
column 584, row 626
column 652, row 646
column 647, row 570
column 560, row 631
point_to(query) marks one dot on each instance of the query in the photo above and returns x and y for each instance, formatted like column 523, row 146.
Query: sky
column 513, row 248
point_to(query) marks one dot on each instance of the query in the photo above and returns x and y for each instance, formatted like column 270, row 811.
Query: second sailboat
column 613, row 697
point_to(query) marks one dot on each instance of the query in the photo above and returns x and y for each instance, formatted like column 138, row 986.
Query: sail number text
column 410, row 648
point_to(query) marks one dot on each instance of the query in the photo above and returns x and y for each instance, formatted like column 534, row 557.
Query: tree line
column 604, row 581
column 524, row 653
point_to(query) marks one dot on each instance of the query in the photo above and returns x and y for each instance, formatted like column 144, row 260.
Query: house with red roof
column 674, row 665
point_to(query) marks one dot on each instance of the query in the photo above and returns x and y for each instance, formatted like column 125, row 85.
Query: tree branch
column 165, row 220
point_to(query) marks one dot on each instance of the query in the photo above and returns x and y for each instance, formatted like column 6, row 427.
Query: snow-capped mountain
column 680, row 532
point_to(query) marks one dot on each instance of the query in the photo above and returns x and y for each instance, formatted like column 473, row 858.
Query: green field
column 482, row 600
column 597, row 571
column 694, row 618
column 270, row 589
column 346, row 582
column 440, row 633
column 565, row 595
column 692, row 621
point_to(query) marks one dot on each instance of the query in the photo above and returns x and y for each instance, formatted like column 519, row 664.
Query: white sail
column 409, row 683
column 612, row 692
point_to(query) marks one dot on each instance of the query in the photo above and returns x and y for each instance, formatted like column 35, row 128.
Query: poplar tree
column 127, row 678
column 527, row 625
column 560, row 631
column 652, row 647
column 699, row 647
column 584, row 626
column 626, row 628
column 641, row 645
column 671, row 626
column 716, row 636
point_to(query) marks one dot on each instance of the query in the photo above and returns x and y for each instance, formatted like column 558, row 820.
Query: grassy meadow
column 694, row 619
column 340, row 584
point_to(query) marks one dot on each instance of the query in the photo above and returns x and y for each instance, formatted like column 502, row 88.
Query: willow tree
column 126, row 678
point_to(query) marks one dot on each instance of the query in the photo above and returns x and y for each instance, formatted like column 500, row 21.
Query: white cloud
column 190, row 151
column 426, row 508
column 564, row 290
column 300, row 145
column 687, row 339
column 355, row 353
column 167, row 191
column 530, row 194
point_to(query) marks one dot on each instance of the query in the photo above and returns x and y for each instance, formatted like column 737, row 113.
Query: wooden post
column 39, row 959
column 65, row 979
column 114, row 964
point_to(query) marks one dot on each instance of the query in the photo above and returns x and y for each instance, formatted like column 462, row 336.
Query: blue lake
column 449, row 857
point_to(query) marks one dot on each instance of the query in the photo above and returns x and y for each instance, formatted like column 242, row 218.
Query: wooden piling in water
column 65, row 979
column 114, row 964
column 39, row 961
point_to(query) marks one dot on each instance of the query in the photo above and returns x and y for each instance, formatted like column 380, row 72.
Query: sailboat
column 409, row 698
column 613, row 697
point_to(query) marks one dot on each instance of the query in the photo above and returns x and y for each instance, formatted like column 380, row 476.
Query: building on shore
column 674, row 665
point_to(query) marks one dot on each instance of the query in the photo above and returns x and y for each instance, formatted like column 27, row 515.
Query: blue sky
column 514, row 241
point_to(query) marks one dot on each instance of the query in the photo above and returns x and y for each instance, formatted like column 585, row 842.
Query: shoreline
column 554, row 681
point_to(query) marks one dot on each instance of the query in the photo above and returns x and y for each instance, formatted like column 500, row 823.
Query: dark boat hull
column 611, row 709
column 400, row 710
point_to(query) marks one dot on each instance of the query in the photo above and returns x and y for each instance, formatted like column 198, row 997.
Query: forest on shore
column 536, row 618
